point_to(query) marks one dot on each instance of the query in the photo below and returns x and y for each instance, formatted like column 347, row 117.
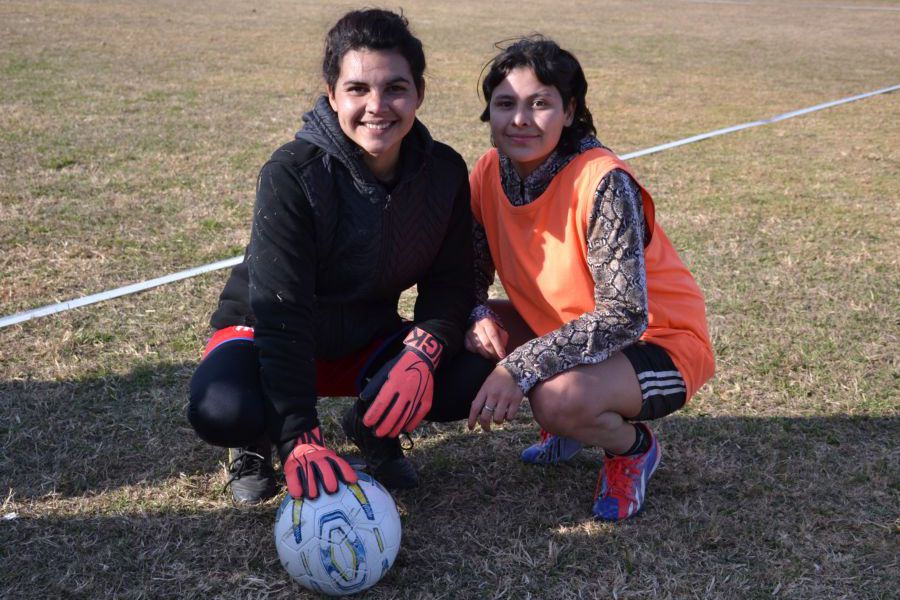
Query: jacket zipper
column 385, row 239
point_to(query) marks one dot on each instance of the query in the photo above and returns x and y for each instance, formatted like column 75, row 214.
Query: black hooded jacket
column 331, row 250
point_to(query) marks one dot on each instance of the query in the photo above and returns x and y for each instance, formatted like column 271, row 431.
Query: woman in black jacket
column 360, row 206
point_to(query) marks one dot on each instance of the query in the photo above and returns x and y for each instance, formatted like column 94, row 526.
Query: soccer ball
column 341, row 543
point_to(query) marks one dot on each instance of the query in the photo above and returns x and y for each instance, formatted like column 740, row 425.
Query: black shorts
column 662, row 387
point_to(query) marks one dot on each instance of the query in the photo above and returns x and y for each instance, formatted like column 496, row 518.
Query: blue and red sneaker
column 623, row 482
column 551, row 450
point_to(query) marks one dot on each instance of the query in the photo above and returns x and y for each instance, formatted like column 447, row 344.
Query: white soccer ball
column 341, row 543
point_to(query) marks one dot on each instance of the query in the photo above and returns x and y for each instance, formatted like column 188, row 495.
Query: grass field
column 130, row 137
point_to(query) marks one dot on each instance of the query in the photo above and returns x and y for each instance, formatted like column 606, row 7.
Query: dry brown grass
column 131, row 133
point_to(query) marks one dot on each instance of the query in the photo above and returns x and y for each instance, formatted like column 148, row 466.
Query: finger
column 475, row 409
column 393, row 422
column 295, row 489
column 329, row 472
column 514, row 410
column 496, row 343
column 485, row 418
column 344, row 471
column 488, row 353
column 398, row 426
column 500, row 412
column 375, row 411
column 381, row 409
column 487, row 346
column 504, row 338
column 416, row 418
column 324, row 477
column 307, row 488
column 485, row 421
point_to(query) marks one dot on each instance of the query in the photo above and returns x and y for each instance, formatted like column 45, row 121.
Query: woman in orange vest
column 605, row 327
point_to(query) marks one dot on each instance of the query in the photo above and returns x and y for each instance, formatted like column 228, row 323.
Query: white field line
column 122, row 291
column 230, row 262
column 775, row 119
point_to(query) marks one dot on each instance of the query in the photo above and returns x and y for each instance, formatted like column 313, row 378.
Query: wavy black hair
column 373, row 29
column 553, row 66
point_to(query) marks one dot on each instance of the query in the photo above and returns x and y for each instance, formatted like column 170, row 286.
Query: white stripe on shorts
column 661, row 383
column 668, row 392
column 658, row 374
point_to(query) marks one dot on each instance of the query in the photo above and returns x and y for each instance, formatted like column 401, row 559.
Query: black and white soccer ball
column 342, row 543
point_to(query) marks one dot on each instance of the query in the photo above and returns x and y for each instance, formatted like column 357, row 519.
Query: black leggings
column 227, row 406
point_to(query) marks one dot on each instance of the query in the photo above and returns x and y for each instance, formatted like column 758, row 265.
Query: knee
column 560, row 412
column 553, row 412
column 224, row 415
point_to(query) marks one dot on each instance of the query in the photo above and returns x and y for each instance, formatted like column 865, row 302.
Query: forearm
column 484, row 264
column 445, row 294
column 281, row 265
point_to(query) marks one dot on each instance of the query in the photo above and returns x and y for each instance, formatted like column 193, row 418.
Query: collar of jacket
column 321, row 127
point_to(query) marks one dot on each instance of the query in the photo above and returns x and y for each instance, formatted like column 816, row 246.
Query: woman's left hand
column 498, row 400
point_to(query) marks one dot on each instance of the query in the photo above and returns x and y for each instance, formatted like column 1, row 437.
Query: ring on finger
column 487, row 408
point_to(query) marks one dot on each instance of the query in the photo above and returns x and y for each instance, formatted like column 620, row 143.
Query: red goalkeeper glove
column 404, row 386
column 311, row 464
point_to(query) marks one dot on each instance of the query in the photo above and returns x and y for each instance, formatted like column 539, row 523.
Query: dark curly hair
column 373, row 29
column 553, row 66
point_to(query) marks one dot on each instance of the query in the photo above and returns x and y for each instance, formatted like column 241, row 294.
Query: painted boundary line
column 122, row 291
column 770, row 120
column 230, row 262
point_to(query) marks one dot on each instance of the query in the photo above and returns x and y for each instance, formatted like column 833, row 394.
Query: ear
column 570, row 112
column 331, row 99
column 421, row 96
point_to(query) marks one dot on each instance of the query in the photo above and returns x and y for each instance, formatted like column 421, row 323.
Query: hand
column 498, row 400
column 311, row 464
column 487, row 338
column 404, row 386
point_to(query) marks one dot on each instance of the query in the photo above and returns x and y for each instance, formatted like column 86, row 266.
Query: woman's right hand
column 487, row 338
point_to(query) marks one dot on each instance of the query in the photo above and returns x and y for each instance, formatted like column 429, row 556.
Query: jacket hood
column 321, row 128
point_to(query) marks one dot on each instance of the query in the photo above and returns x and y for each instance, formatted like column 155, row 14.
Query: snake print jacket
column 615, row 258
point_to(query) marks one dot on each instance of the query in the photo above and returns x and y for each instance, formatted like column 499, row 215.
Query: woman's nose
column 375, row 102
column 520, row 116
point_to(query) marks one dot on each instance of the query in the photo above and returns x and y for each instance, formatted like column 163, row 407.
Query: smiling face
column 376, row 99
column 527, row 118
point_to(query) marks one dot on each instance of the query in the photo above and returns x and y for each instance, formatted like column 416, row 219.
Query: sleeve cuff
column 524, row 378
column 483, row 311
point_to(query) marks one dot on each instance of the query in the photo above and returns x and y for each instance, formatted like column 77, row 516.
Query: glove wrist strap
column 313, row 436
column 425, row 344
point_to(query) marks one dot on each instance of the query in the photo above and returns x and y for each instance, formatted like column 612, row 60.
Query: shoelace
column 544, row 452
column 244, row 466
column 619, row 473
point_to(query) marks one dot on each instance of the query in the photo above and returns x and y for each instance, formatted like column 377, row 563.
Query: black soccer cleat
column 384, row 456
column 251, row 475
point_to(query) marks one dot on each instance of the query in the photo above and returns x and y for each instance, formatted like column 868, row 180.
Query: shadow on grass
column 741, row 506
column 70, row 438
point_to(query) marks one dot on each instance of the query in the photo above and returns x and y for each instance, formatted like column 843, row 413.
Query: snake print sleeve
column 484, row 273
column 616, row 260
